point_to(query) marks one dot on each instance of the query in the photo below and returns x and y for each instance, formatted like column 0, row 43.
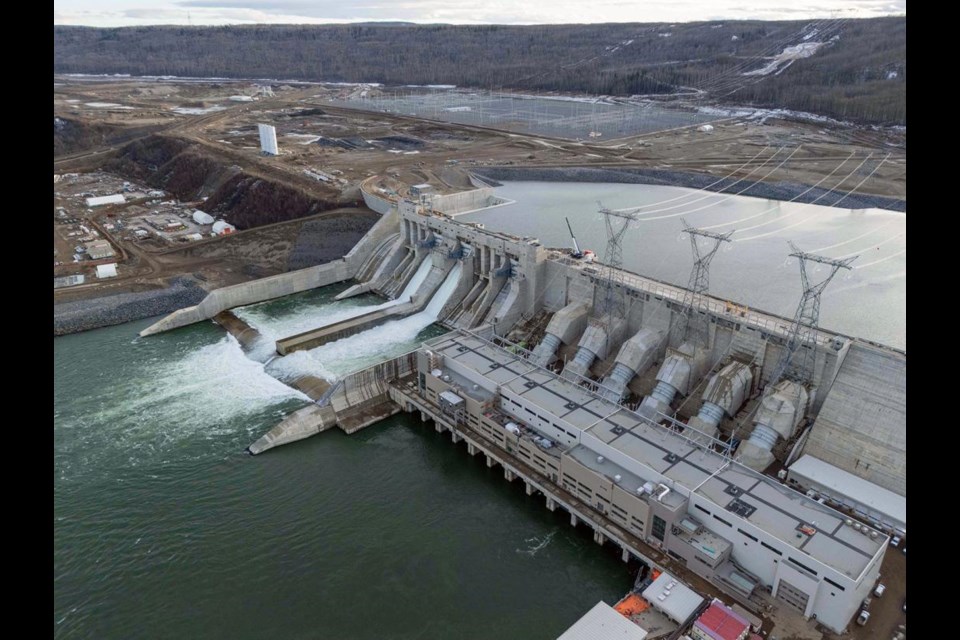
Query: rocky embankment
column 783, row 191
column 321, row 241
column 82, row 315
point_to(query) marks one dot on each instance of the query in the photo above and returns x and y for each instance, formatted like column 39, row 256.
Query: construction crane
column 576, row 247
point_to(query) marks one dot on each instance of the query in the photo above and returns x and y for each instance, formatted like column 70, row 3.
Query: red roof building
column 720, row 622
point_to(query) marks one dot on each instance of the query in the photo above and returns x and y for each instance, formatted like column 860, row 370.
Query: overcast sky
column 117, row 13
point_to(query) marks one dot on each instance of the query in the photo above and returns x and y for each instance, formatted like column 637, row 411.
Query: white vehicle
column 879, row 590
column 895, row 541
column 863, row 617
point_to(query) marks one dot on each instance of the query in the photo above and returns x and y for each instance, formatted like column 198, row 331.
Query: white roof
column 603, row 622
column 202, row 217
column 679, row 601
column 838, row 483
column 107, row 270
column 114, row 199
column 451, row 398
column 220, row 225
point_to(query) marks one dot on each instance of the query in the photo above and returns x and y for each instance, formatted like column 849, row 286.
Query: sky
column 120, row 13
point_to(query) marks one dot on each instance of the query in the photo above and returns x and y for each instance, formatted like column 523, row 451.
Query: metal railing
column 718, row 307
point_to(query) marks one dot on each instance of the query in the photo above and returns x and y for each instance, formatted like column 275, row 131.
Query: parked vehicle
column 863, row 617
column 866, row 603
column 895, row 541
column 879, row 590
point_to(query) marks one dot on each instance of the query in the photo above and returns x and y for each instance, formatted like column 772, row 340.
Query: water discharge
column 163, row 526
column 393, row 338
column 276, row 321
column 155, row 405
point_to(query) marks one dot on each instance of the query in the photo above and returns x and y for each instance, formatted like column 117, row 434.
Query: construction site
column 750, row 465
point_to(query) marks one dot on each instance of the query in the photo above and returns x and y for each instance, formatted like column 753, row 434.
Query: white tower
column 268, row 139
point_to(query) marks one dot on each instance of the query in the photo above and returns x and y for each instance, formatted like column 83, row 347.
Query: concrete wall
column 378, row 203
column 283, row 284
column 862, row 426
column 256, row 291
column 464, row 201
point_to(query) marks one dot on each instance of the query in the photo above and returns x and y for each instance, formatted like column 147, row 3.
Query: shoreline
column 119, row 308
column 782, row 191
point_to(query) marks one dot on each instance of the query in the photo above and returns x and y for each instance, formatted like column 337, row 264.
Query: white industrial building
column 202, row 217
column 102, row 200
column 739, row 528
column 99, row 249
column 603, row 622
column 882, row 507
column 107, row 270
column 221, row 228
column 672, row 598
column 268, row 139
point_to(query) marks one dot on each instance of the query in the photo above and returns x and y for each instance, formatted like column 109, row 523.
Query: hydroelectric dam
column 680, row 427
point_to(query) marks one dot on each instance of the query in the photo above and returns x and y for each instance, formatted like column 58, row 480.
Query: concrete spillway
column 331, row 359
column 359, row 319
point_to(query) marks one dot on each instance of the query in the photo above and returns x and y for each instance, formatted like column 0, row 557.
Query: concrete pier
column 351, row 326
column 301, row 424
column 246, row 335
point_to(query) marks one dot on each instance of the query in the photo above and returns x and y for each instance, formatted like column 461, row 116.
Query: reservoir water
column 869, row 301
column 165, row 528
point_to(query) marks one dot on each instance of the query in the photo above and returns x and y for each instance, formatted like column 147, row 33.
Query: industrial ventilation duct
column 635, row 356
column 725, row 394
column 780, row 412
column 681, row 369
column 594, row 344
column 565, row 326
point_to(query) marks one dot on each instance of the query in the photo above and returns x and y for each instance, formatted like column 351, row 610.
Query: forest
column 857, row 73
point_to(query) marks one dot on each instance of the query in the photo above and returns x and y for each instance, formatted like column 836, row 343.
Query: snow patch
column 105, row 105
column 788, row 57
column 197, row 111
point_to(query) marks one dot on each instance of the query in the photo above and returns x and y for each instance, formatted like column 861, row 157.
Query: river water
column 165, row 528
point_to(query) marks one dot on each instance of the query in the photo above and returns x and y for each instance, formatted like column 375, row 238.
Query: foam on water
column 307, row 317
column 391, row 339
column 150, row 413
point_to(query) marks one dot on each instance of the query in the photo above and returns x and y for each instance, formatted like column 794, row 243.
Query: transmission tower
column 612, row 300
column 803, row 331
column 698, row 285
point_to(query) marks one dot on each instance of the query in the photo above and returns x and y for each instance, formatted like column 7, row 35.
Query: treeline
column 860, row 74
